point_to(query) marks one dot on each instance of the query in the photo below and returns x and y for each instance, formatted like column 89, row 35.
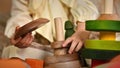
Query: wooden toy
column 29, row 27
column 61, row 58
column 103, row 50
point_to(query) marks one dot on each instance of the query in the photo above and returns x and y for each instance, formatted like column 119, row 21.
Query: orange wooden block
column 35, row 63
column 12, row 63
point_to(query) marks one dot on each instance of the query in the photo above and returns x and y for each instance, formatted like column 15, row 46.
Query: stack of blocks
column 106, row 48
column 61, row 58
column 103, row 50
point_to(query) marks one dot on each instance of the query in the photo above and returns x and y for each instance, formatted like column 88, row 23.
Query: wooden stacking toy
column 103, row 50
column 61, row 58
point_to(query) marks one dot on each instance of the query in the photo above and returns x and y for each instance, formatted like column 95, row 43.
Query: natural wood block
column 29, row 27
column 63, row 61
column 60, row 51
column 70, row 64
column 58, row 44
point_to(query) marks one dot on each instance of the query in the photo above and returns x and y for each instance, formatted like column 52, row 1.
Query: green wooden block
column 99, row 54
column 103, row 25
column 69, row 27
column 102, row 44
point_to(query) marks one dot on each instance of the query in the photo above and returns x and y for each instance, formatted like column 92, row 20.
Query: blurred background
column 5, row 6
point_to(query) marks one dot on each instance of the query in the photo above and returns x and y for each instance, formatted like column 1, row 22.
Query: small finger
column 13, row 41
column 19, row 45
column 25, row 40
column 73, row 46
column 67, row 41
column 79, row 46
column 28, row 41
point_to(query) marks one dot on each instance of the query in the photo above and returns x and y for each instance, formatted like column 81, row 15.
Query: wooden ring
column 58, row 44
column 61, row 58
column 29, row 27
column 99, row 54
column 103, row 44
column 103, row 25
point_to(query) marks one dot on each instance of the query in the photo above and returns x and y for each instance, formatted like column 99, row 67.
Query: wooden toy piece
column 108, row 25
column 98, row 54
column 58, row 49
column 34, row 63
column 57, row 46
column 108, row 10
column 61, row 58
column 59, row 36
column 69, row 29
column 29, row 27
column 16, row 62
column 13, row 63
column 104, row 35
column 103, row 25
column 63, row 61
column 101, row 51
column 69, row 64
column 103, row 44
column 59, row 29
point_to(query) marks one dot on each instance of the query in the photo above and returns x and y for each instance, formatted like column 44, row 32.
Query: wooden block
column 103, row 44
column 59, row 29
column 108, row 16
column 99, row 54
column 13, row 63
column 103, row 25
column 61, row 59
column 70, row 64
column 29, row 27
column 58, row 44
column 60, row 51
column 34, row 63
column 69, row 27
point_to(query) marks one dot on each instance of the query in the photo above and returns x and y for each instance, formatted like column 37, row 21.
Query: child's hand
column 76, row 42
column 22, row 42
column 77, row 39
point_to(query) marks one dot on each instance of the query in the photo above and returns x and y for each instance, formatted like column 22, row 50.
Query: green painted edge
column 103, row 25
column 99, row 54
column 102, row 44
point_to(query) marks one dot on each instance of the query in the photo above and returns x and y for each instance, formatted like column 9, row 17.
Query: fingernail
column 63, row 45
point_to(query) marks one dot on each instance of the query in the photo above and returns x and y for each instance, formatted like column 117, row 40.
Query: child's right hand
column 22, row 42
